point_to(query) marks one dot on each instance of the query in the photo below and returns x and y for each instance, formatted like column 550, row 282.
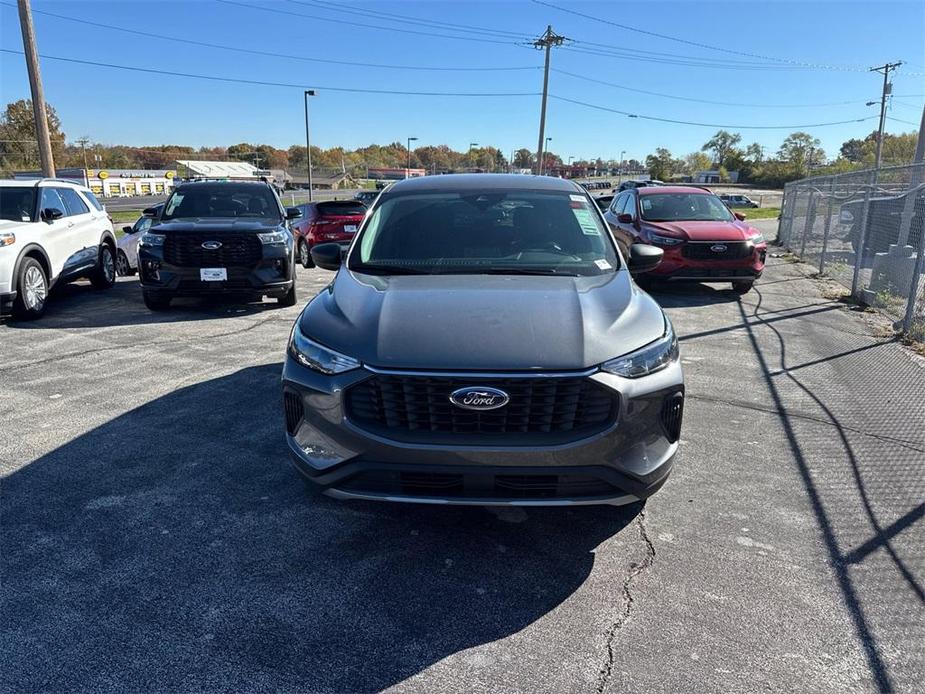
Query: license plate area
column 350, row 228
column 213, row 274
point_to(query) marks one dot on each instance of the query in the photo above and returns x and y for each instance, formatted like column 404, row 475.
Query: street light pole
column 308, row 143
column 408, row 169
column 469, row 153
column 544, row 151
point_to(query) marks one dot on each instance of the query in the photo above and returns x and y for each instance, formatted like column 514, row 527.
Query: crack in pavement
column 904, row 443
column 98, row 350
column 636, row 569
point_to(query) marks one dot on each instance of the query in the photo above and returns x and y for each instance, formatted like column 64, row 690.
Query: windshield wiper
column 523, row 271
column 389, row 270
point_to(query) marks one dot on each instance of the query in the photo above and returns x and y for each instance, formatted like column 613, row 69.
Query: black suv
column 218, row 238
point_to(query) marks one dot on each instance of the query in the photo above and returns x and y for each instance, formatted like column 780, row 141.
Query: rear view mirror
column 49, row 214
column 150, row 212
column 293, row 213
column 644, row 258
column 327, row 256
column 739, row 216
column 625, row 218
column 128, row 230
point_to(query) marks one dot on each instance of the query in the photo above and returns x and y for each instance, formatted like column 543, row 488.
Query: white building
column 114, row 183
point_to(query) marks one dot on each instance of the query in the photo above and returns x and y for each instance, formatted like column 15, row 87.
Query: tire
column 156, row 302
column 289, row 298
column 104, row 276
column 31, row 290
column 305, row 256
column 741, row 288
column 123, row 269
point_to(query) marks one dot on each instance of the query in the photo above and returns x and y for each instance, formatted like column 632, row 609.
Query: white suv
column 50, row 231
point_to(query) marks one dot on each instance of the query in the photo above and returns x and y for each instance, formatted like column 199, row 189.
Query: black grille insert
column 412, row 407
column 236, row 250
column 292, row 404
column 731, row 250
column 672, row 414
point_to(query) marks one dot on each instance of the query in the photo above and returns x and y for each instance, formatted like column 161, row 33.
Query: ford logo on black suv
column 475, row 398
column 212, row 245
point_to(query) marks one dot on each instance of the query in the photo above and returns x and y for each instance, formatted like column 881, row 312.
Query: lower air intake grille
column 292, row 404
column 672, row 413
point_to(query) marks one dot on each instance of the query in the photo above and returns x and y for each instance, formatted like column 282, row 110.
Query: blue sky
column 113, row 106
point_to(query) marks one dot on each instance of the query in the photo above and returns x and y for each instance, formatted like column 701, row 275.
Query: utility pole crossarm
column 885, row 70
column 545, row 42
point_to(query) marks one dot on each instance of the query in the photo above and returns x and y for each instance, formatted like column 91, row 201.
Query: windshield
column 17, row 204
column 222, row 200
column 671, row 207
column 488, row 232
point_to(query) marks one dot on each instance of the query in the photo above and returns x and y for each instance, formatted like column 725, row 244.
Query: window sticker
column 577, row 198
column 602, row 264
column 586, row 221
column 646, row 204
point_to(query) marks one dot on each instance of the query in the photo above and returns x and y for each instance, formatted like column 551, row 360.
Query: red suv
column 702, row 239
column 331, row 221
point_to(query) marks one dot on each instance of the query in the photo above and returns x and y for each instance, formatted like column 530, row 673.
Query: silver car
column 483, row 342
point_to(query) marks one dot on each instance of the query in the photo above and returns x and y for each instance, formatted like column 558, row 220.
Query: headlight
column 7, row 238
column 318, row 358
column 653, row 357
column 274, row 237
column 149, row 239
column 664, row 240
column 756, row 239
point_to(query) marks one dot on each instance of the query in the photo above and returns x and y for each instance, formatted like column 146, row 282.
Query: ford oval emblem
column 479, row 398
column 211, row 245
column 716, row 248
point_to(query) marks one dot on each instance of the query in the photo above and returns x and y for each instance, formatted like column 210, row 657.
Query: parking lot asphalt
column 155, row 538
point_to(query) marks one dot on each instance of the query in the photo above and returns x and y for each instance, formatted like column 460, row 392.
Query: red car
column 703, row 240
column 331, row 221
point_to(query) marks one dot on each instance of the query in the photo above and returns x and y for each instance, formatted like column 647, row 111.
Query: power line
column 900, row 120
column 391, row 16
column 704, row 62
column 269, row 84
column 274, row 54
column 698, row 44
column 707, row 125
column 700, row 101
column 430, row 34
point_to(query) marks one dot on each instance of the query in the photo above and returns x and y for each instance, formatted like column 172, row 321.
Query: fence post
column 786, row 211
column 828, row 225
column 862, row 236
column 810, row 219
column 914, row 283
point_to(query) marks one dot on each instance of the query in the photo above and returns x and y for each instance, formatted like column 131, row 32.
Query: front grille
column 237, row 250
column 415, row 406
column 672, row 413
column 292, row 405
column 735, row 250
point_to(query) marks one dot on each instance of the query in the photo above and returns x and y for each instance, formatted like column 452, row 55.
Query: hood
column 482, row 322
column 10, row 225
column 215, row 225
column 705, row 231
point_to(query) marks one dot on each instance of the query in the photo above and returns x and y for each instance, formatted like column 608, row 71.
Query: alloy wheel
column 34, row 288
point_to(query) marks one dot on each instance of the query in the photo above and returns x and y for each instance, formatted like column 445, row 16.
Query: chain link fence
column 865, row 230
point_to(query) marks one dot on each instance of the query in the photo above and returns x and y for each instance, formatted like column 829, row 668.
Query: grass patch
column 759, row 212
column 122, row 217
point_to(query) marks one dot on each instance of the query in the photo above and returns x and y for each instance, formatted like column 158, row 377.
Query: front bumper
column 627, row 460
column 272, row 275
column 676, row 267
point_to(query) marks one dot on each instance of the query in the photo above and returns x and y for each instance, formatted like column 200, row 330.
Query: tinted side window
column 629, row 205
column 93, row 201
column 617, row 203
column 73, row 202
column 51, row 199
column 143, row 224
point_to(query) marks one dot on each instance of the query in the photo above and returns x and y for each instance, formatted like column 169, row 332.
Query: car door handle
column 70, row 224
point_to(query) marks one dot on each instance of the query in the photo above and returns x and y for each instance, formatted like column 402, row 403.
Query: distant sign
column 103, row 175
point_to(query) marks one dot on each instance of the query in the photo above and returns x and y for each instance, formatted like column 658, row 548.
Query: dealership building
column 114, row 183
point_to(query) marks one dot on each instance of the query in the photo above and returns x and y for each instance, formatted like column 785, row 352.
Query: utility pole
column 308, row 144
column 83, row 146
column 887, row 90
column 35, row 84
column 546, row 41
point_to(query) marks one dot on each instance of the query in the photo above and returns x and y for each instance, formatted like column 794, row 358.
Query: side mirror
column 293, row 213
column 644, row 258
column 50, row 214
column 327, row 256
column 625, row 218
column 128, row 230
column 739, row 216
column 149, row 212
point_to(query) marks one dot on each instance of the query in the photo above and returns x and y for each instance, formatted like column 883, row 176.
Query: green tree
column 722, row 145
column 524, row 159
column 19, row 148
column 754, row 153
column 694, row 162
column 853, row 150
column 801, row 150
column 661, row 165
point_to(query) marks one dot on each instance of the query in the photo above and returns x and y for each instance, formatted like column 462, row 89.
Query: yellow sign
column 103, row 175
column 170, row 174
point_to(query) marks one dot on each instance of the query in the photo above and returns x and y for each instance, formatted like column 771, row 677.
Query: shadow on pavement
column 78, row 305
column 174, row 548
column 681, row 294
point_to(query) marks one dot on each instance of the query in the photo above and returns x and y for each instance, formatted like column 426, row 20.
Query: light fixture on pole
column 308, row 143
column 469, row 153
column 542, row 164
column 408, row 169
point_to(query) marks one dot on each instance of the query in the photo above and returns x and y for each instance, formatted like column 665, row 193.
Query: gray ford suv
column 483, row 342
